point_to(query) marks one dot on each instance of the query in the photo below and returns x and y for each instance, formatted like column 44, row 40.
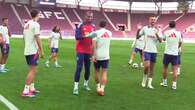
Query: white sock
column 76, row 85
column 32, row 86
column 26, row 89
column 145, row 77
column 141, row 64
column 149, row 81
column 102, row 87
column 98, row 85
column 174, row 83
column 179, row 69
column 2, row 66
column 56, row 62
column 130, row 61
column 86, row 83
column 164, row 81
column 47, row 62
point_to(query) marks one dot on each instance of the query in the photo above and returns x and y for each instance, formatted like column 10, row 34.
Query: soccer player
column 84, row 49
column 101, row 55
column 179, row 61
column 173, row 41
column 32, row 49
column 5, row 48
column 53, row 45
column 152, row 38
column 138, row 46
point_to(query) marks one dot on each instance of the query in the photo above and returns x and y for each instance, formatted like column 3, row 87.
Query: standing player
column 5, row 49
column 173, row 41
column 32, row 49
column 150, row 51
column 2, row 36
column 53, row 45
column 84, row 49
column 101, row 55
column 138, row 45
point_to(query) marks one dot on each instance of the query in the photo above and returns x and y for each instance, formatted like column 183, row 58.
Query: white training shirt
column 55, row 39
column 140, row 43
column 172, row 39
column 31, row 28
column 150, row 38
column 6, row 33
column 103, row 44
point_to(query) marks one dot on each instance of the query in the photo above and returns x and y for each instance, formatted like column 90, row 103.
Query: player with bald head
column 152, row 38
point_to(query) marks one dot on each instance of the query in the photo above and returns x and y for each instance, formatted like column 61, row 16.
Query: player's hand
column 94, row 59
column 49, row 46
column 42, row 55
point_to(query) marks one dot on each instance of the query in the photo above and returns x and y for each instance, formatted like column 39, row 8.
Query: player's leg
column 175, row 63
column 5, row 55
column 151, row 70
column 80, row 60
column 56, row 59
column 142, row 58
column 104, row 76
column 1, row 59
column 51, row 57
column 179, row 65
column 175, row 68
column 133, row 55
column 97, row 75
column 166, row 61
column 32, row 62
column 87, row 62
column 146, row 68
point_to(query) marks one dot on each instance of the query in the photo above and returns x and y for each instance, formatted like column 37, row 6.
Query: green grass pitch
column 123, row 91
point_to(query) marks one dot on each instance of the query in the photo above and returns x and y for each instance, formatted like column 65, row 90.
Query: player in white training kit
column 32, row 49
column 138, row 46
column 101, row 55
column 54, row 45
column 173, row 41
column 6, row 47
column 152, row 38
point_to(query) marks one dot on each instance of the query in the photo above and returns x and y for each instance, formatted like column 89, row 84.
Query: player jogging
column 138, row 46
column 5, row 48
column 32, row 49
column 173, row 41
column 152, row 38
column 53, row 45
column 84, row 49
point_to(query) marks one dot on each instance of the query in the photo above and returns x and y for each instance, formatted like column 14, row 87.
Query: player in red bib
column 84, row 50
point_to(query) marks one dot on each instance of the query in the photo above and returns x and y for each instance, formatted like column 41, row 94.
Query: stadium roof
column 151, row 0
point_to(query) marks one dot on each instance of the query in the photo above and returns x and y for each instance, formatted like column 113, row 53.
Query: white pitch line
column 8, row 103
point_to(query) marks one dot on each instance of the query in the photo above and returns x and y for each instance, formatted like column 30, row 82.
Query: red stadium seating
column 52, row 16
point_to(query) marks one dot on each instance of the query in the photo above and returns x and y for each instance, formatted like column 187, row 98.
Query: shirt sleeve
column 141, row 32
column 37, row 29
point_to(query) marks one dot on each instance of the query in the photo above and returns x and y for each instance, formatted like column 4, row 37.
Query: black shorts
column 101, row 64
column 32, row 60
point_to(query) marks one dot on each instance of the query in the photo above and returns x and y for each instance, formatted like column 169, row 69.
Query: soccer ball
column 135, row 65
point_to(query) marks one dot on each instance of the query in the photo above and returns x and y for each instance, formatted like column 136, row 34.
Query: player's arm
column 140, row 33
column 91, row 35
column 180, row 41
column 39, row 43
column 38, row 40
column 2, row 41
column 159, row 38
column 60, row 35
column 9, row 33
column 94, row 51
